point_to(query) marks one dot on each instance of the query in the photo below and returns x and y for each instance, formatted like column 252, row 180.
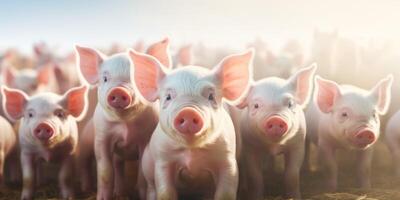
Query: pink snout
column 365, row 137
column 119, row 98
column 188, row 121
column 43, row 131
column 275, row 127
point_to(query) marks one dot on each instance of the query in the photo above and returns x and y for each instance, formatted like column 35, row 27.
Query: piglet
column 8, row 145
column 30, row 81
column 194, row 144
column 123, row 120
column 273, row 123
column 347, row 117
column 47, row 131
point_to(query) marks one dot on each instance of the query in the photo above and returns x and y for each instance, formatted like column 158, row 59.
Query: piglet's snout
column 275, row 126
column 43, row 131
column 365, row 137
column 188, row 121
column 119, row 98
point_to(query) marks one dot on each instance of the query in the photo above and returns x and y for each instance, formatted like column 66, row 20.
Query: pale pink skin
column 338, row 114
column 8, row 144
column 392, row 137
column 266, row 100
column 119, row 134
column 60, row 113
column 206, row 154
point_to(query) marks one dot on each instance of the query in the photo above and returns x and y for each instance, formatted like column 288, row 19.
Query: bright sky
column 217, row 22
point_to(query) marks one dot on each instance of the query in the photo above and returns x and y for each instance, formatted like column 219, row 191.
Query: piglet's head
column 191, row 97
column 47, row 118
column 28, row 80
column 113, row 76
column 355, row 112
column 274, row 105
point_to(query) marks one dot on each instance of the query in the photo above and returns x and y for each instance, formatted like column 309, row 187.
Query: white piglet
column 347, row 117
column 194, row 142
column 273, row 123
column 48, row 131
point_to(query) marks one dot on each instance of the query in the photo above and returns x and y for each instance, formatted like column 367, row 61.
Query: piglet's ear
column 44, row 74
column 89, row 61
column 148, row 73
column 327, row 93
column 381, row 94
column 185, row 55
column 234, row 74
column 8, row 75
column 160, row 50
column 244, row 102
column 75, row 101
column 14, row 102
column 301, row 83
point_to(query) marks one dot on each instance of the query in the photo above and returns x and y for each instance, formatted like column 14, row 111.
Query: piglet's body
column 47, row 131
column 273, row 123
column 8, row 141
column 123, row 121
column 193, row 146
column 347, row 117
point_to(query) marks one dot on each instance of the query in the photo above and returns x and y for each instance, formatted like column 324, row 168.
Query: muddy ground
column 384, row 185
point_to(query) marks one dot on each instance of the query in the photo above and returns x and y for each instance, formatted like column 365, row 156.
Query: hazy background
column 216, row 22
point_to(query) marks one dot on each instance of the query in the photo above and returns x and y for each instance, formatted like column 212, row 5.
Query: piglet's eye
column 105, row 79
column 344, row 114
column 30, row 115
column 291, row 103
column 168, row 97
column 256, row 106
column 211, row 97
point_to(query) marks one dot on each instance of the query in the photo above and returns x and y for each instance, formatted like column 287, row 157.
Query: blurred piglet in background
column 273, row 123
column 347, row 117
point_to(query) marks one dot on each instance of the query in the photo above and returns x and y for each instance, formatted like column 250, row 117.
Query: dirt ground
column 384, row 185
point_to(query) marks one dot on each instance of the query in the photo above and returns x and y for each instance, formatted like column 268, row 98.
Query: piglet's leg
column 105, row 174
column 119, row 188
column 28, row 176
column 364, row 159
column 2, row 159
column 293, row 162
column 227, row 180
column 251, row 167
column 164, row 181
column 65, row 177
column 326, row 155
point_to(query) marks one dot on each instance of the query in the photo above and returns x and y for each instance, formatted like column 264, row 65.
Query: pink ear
column 8, row 75
column 234, row 74
column 148, row 72
column 44, row 74
column 302, row 84
column 160, row 51
column 381, row 94
column 327, row 93
column 185, row 55
column 14, row 102
column 89, row 63
column 75, row 101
